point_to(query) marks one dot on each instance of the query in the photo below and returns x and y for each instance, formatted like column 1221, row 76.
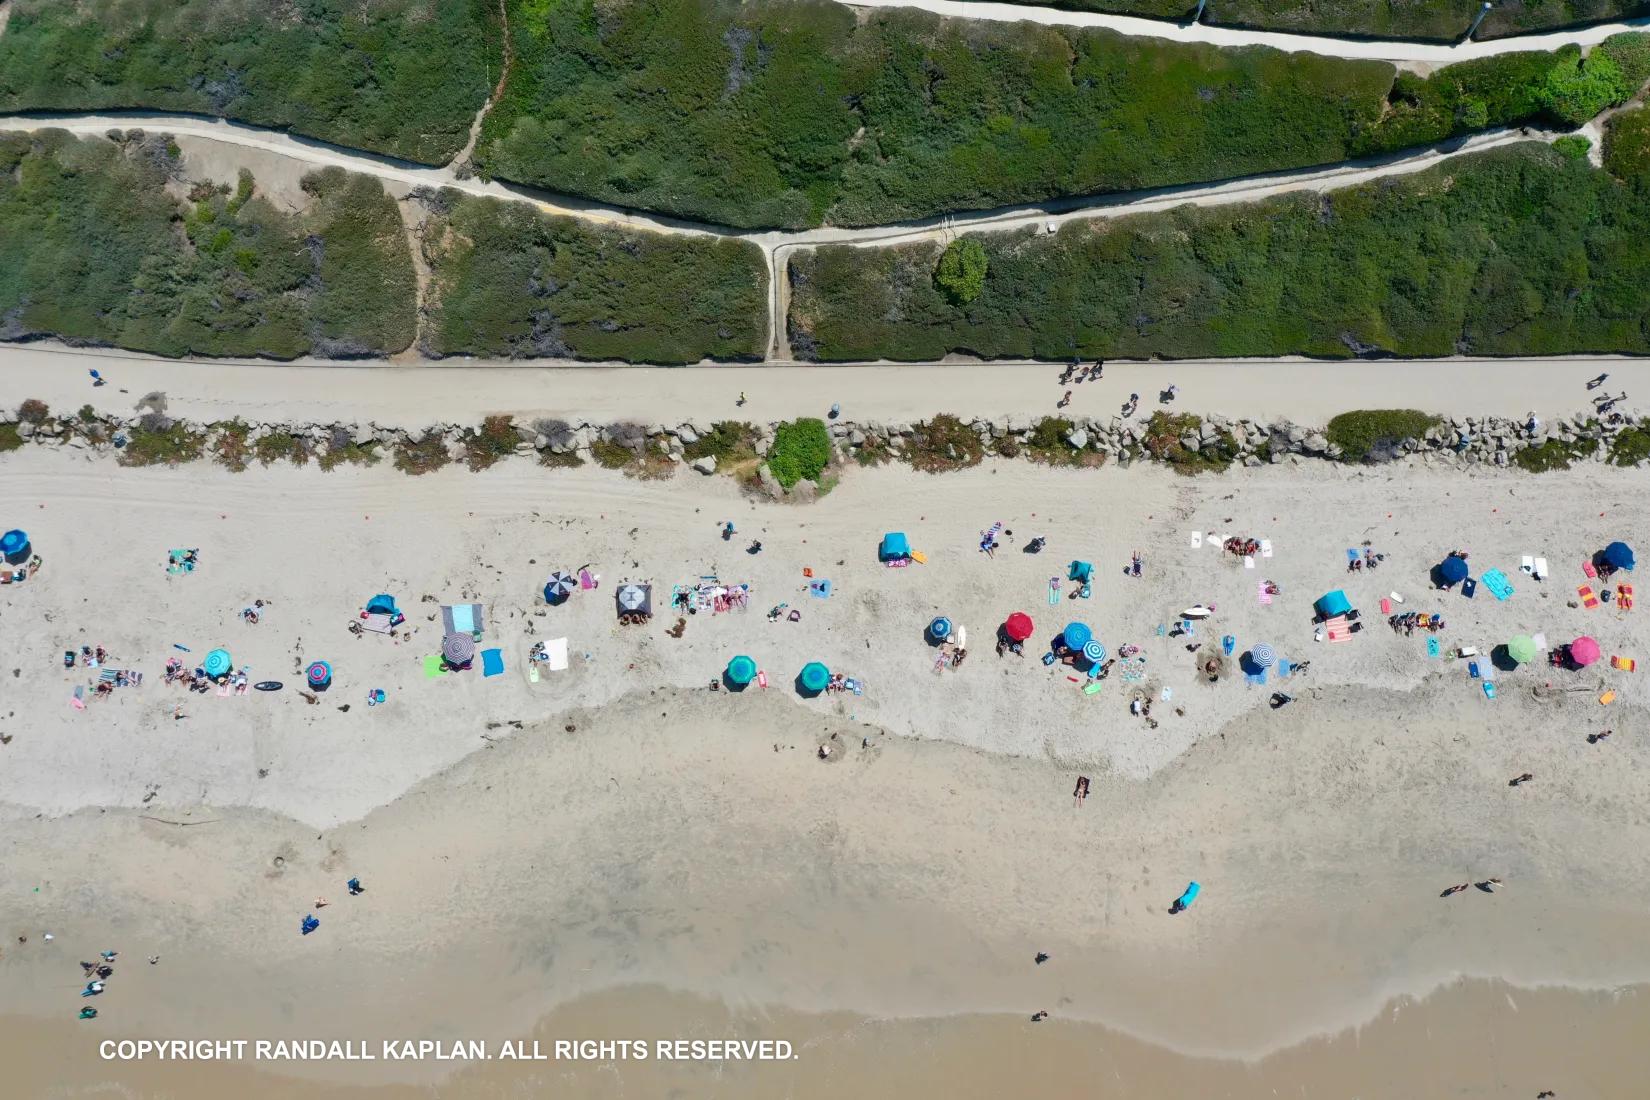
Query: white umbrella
column 1196, row 611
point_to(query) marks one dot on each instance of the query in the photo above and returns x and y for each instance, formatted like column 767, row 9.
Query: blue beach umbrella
column 1618, row 555
column 940, row 628
column 741, row 670
column 1076, row 635
column 1453, row 570
column 14, row 546
column 217, row 663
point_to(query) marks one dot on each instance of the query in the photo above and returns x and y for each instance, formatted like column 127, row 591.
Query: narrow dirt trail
column 462, row 157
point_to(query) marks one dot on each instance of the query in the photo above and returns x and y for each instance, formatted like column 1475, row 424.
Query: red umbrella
column 1584, row 650
column 1018, row 627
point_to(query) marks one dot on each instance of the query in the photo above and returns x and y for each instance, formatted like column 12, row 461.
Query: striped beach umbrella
column 561, row 585
column 1262, row 655
column 319, row 675
column 814, row 677
column 741, row 670
column 1093, row 652
column 217, row 663
column 458, row 649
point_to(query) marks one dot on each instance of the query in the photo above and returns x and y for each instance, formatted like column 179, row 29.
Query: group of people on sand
column 1241, row 547
column 1411, row 621
column 196, row 679
column 1370, row 561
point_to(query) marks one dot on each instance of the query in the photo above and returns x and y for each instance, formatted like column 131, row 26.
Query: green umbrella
column 741, row 670
column 815, row 676
column 1522, row 649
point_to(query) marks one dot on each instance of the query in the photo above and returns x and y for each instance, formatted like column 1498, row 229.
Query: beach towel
column 1606, row 699
column 1351, row 554
column 434, row 667
column 377, row 622
column 1489, row 689
column 897, row 563
column 462, row 618
column 1228, row 644
column 1587, row 568
column 1386, row 607
column 1588, row 600
column 1624, row 664
column 1284, row 668
column 1261, row 594
column 1092, row 686
column 1540, row 640
column 532, row 672
column 820, row 590
column 1197, row 540
column 1469, row 588
column 555, row 651
column 1053, row 591
column 1498, row 584
column 1527, row 565
column 177, row 562
column 1256, row 677
column 1338, row 629
column 1433, row 649
column 1265, row 548
column 761, row 679
column 492, row 662
column 1472, row 670
column 586, row 581
column 78, row 699
column 1624, row 597
column 1249, row 562
column 1394, row 597
column 223, row 690
column 1540, row 569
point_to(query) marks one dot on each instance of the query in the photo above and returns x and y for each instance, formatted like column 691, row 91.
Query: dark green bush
column 497, row 439
column 801, row 449
column 1627, row 145
column 943, row 443
column 1578, row 89
column 1630, row 446
column 1553, row 454
column 1368, row 434
column 1572, row 146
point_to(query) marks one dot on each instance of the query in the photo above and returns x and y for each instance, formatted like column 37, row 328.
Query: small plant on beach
column 351, row 454
column 943, row 443
column 1373, row 435
column 231, row 450
column 282, row 445
column 1050, row 444
column 1165, row 441
column 1554, row 454
column 960, row 274
column 801, row 450
column 611, row 455
column 165, row 443
column 422, row 457
column 10, row 438
column 560, row 460
column 873, row 452
column 1630, row 447
column 87, row 414
column 497, row 439
column 729, row 442
column 33, row 411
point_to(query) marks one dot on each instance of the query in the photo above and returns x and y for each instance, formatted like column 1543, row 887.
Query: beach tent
column 1082, row 571
column 561, row 585
column 1584, row 650
column 940, row 629
column 217, row 663
column 14, row 545
column 634, row 599
column 1522, row 649
column 1453, row 570
column 741, row 671
column 1262, row 655
column 1076, row 635
column 458, row 649
column 1018, row 627
column 1618, row 555
column 813, row 678
column 895, row 547
column 382, row 604
column 318, row 675
column 1331, row 604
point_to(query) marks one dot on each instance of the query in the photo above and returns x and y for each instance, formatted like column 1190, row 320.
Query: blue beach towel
column 1469, row 588
column 492, row 662
column 1227, row 644
column 1432, row 647
column 464, row 618
column 1496, row 581
column 1351, row 554
column 1284, row 668
column 1256, row 677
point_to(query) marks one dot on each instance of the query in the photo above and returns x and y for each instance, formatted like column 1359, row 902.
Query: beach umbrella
column 1018, row 627
column 14, row 545
column 1076, row 635
column 1333, row 603
column 561, row 585
column 1522, row 649
column 1196, row 611
column 940, row 628
column 1453, row 570
column 741, row 670
column 458, row 649
column 637, row 598
column 1618, row 555
column 319, row 675
column 382, row 604
column 1093, row 652
column 217, row 663
column 1262, row 655
column 1584, row 650
column 814, row 677
column 895, row 547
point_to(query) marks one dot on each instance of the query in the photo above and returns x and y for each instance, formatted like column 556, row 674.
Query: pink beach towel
column 1261, row 594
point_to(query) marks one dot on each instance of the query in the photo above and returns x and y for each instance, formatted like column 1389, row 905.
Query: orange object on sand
column 1607, row 698
column 806, row 572
column 1588, row 600
column 919, row 557
column 1624, row 664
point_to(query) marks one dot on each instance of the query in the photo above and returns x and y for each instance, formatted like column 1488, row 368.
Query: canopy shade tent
column 1618, row 555
column 634, row 599
column 1018, row 627
column 1584, row 650
column 217, row 663
column 1453, row 570
column 814, row 677
column 1262, row 655
column 895, row 546
column 319, row 675
column 1076, row 635
column 14, row 544
column 458, row 650
column 741, row 670
column 1333, row 603
column 382, row 604
column 561, row 585
column 1081, row 571
column 940, row 628
column 1521, row 648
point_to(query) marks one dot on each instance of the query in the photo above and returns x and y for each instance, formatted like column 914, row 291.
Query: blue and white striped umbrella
column 1262, row 655
column 1093, row 652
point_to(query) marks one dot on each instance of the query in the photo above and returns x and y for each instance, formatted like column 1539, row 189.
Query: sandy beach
column 544, row 858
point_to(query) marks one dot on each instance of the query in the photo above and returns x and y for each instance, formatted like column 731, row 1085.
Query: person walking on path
column 1595, row 738
column 1597, row 382
column 1520, row 780
column 355, row 887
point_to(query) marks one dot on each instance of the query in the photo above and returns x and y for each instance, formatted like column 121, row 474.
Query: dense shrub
column 510, row 282
column 1510, row 252
column 33, row 411
column 801, row 449
column 1371, row 434
column 94, row 254
column 1578, row 89
column 961, row 270
column 404, row 77
column 943, row 443
column 1627, row 144
column 1572, row 146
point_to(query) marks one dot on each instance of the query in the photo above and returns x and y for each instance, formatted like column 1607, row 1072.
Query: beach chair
column 1489, row 689
column 1624, row 664
column 1588, row 599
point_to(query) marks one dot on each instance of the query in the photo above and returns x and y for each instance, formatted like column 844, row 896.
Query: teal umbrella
column 217, row 663
column 741, row 670
column 814, row 677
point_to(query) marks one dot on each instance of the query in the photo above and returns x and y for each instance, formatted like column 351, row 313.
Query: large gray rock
column 1078, row 438
column 687, row 434
column 770, row 484
column 1315, row 443
column 707, row 465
